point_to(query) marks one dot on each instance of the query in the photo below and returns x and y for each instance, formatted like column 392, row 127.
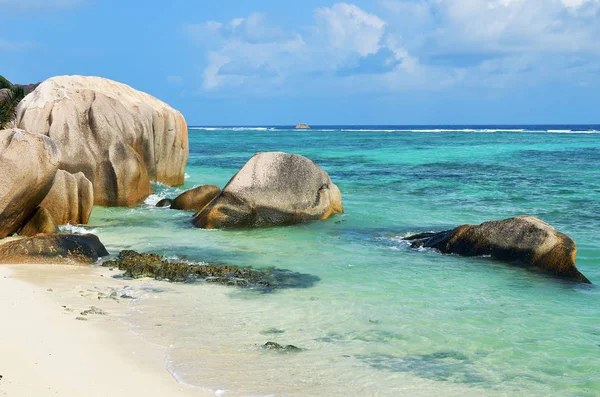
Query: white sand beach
column 46, row 351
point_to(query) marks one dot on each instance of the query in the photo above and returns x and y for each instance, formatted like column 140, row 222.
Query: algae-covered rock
column 524, row 240
column 138, row 265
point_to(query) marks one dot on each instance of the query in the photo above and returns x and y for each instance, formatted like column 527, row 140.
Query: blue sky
column 267, row 62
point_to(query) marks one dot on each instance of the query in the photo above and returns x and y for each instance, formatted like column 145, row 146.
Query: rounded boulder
column 71, row 198
column 273, row 189
column 28, row 163
column 119, row 137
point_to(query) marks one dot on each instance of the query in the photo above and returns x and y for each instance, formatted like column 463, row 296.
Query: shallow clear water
column 383, row 319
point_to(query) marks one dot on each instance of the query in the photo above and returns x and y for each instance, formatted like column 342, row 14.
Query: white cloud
column 427, row 44
column 250, row 51
column 350, row 29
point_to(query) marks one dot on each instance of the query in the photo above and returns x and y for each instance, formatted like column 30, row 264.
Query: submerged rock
column 164, row 203
column 524, row 240
column 138, row 265
column 195, row 199
column 273, row 188
column 119, row 137
column 53, row 249
column 280, row 348
column 40, row 222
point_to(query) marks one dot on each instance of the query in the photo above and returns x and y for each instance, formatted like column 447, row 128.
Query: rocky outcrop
column 70, row 199
column 28, row 163
column 138, row 265
column 120, row 138
column 272, row 189
column 524, row 240
column 164, row 203
column 53, row 249
column 40, row 223
column 302, row 126
column 195, row 199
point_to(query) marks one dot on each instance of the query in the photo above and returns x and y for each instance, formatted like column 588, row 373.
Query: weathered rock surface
column 164, row 203
column 524, row 240
column 41, row 222
column 273, row 188
column 138, row 265
column 28, row 163
column 302, row 126
column 195, row 199
column 53, row 249
column 120, row 138
column 71, row 198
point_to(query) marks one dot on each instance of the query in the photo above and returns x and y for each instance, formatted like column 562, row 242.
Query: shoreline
column 52, row 347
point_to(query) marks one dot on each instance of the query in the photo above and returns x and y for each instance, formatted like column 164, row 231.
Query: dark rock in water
column 53, row 248
column 40, row 222
column 195, row 199
column 164, row 203
column 138, row 265
column 524, row 240
column 272, row 331
column 279, row 348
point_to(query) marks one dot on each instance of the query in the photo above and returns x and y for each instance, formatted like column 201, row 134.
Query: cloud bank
column 404, row 45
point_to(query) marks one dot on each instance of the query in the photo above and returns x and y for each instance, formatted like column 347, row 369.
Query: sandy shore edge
column 49, row 348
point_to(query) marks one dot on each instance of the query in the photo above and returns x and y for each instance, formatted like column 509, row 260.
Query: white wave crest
column 76, row 229
column 232, row 128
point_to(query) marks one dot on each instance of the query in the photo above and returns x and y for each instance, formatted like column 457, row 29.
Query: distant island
column 302, row 126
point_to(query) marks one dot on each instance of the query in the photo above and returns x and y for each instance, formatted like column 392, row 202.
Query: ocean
column 373, row 316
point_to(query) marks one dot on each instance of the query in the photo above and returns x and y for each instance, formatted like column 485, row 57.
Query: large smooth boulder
column 28, row 163
column 195, row 199
column 53, row 249
column 524, row 240
column 120, row 138
column 70, row 199
column 41, row 222
column 273, row 188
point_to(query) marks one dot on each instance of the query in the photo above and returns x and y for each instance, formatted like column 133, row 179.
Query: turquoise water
column 383, row 320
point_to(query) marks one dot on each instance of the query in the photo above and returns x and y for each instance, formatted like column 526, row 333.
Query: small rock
column 164, row 203
column 93, row 310
column 272, row 331
column 279, row 348
column 81, row 318
column 49, row 290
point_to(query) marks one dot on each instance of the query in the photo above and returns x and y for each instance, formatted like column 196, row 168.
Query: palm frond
column 5, row 83
column 8, row 107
